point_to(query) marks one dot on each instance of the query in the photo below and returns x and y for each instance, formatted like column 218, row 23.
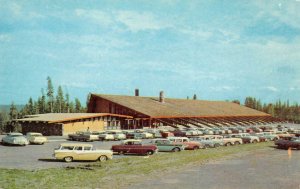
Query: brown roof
column 181, row 107
column 62, row 117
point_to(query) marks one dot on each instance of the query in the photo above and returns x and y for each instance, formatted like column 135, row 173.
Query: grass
column 116, row 173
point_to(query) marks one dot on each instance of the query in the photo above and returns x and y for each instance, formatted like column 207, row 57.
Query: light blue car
column 15, row 139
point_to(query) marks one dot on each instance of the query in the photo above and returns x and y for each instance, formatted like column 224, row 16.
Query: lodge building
column 136, row 112
column 160, row 111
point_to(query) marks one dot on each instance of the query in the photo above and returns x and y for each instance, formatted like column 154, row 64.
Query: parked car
column 229, row 141
column 271, row 136
column 112, row 135
column 104, row 135
column 190, row 145
column 246, row 137
column 132, row 146
column 15, row 139
column 204, row 141
column 165, row 145
column 84, row 136
column 77, row 151
column 36, row 138
column 261, row 136
column 296, row 132
column 285, row 144
column 284, row 134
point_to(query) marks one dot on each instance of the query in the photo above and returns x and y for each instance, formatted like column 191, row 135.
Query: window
column 67, row 147
column 78, row 148
column 87, row 148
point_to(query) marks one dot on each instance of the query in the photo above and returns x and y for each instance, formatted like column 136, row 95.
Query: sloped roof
column 62, row 117
column 181, row 107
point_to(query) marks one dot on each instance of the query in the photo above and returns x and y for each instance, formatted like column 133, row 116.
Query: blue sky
column 219, row 50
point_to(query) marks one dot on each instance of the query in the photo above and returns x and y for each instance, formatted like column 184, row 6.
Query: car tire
column 196, row 148
column 175, row 150
column 150, row 152
column 102, row 158
column 216, row 145
column 228, row 144
column 254, row 141
column 68, row 159
column 275, row 139
column 207, row 146
column 237, row 143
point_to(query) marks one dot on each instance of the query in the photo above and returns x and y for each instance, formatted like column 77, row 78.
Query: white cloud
column 271, row 88
column 223, row 88
column 100, row 17
column 5, row 38
column 136, row 21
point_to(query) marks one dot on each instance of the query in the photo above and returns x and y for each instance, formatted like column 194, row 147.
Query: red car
column 291, row 143
column 134, row 147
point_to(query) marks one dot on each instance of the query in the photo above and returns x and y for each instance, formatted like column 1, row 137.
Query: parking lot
column 33, row 157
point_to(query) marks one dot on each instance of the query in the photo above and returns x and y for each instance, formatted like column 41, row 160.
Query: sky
column 219, row 50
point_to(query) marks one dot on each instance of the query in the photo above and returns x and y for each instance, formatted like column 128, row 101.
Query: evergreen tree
column 42, row 103
column 30, row 107
column 60, row 99
column 67, row 104
column 71, row 107
column 77, row 105
column 50, row 95
column 13, row 112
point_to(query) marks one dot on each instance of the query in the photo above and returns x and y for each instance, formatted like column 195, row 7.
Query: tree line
column 279, row 109
column 46, row 103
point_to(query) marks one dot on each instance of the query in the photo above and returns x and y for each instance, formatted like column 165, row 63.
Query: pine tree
column 77, row 105
column 61, row 100
column 30, row 108
column 50, row 95
column 13, row 112
column 67, row 104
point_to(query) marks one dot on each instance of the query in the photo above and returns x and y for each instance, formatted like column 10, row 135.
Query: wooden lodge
column 159, row 111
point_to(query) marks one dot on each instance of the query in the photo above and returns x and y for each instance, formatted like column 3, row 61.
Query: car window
column 87, row 148
column 67, row 147
column 78, row 148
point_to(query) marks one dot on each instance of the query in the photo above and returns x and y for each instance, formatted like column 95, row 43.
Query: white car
column 15, row 139
column 106, row 136
column 117, row 134
column 36, row 138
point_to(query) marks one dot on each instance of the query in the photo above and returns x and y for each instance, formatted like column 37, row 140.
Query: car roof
column 177, row 137
column 33, row 133
column 75, row 144
column 15, row 133
column 132, row 140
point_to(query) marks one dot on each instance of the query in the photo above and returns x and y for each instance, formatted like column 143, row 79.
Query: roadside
column 264, row 168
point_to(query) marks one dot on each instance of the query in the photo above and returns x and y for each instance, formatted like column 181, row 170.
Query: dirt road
column 267, row 168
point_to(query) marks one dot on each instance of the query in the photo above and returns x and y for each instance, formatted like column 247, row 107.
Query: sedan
column 15, row 139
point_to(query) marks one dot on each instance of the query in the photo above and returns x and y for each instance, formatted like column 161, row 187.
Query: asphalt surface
column 262, row 169
column 33, row 157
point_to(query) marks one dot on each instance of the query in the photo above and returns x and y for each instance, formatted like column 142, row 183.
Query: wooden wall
column 44, row 128
column 91, row 125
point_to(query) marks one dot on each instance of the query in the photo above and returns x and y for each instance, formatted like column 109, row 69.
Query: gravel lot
column 267, row 168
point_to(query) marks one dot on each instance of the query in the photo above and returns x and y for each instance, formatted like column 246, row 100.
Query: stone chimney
column 161, row 97
column 195, row 97
column 137, row 92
